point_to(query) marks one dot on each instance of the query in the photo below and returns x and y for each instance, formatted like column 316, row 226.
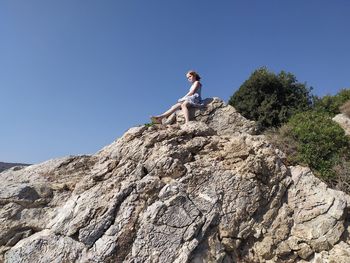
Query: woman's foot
column 156, row 120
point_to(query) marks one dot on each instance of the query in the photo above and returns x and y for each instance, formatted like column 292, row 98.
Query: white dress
column 194, row 100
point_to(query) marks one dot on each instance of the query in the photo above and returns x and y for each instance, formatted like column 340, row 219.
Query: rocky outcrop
column 312, row 223
column 206, row 191
column 223, row 119
column 344, row 122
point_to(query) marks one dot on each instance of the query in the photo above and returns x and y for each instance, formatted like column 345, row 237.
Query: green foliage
column 313, row 139
column 270, row 99
column 150, row 124
column 320, row 141
column 331, row 104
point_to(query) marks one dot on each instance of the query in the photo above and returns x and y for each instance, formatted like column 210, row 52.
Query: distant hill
column 5, row 166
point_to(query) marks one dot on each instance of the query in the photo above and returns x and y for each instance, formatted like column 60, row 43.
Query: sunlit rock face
column 344, row 122
column 207, row 191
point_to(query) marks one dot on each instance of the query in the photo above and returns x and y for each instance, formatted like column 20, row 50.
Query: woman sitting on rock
column 191, row 99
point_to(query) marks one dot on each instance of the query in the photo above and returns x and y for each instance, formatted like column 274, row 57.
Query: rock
column 207, row 191
column 340, row 253
column 46, row 247
column 314, row 215
column 224, row 119
column 343, row 121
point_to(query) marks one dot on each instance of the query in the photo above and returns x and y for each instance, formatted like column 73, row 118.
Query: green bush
column 331, row 104
column 320, row 141
column 270, row 99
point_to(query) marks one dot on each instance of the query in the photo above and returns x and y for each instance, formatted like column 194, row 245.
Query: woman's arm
column 195, row 86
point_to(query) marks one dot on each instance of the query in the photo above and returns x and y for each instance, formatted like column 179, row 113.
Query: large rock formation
column 343, row 121
column 206, row 191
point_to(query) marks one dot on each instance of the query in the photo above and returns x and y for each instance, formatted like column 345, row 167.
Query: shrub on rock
column 321, row 142
column 332, row 104
column 271, row 99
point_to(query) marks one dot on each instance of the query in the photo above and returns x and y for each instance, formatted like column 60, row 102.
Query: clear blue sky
column 76, row 74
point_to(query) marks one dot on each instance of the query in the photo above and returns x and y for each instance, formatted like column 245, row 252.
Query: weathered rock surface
column 206, row 191
column 343, row 121
column 224, row 120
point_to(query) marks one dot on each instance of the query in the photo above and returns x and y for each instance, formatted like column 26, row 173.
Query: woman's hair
column 194, row 74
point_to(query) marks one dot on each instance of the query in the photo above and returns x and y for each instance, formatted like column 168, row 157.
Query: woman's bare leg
column 158, row 118
column 174, row 108
column 184, row 107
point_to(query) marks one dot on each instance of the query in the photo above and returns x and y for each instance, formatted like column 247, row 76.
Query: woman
column 191, row 99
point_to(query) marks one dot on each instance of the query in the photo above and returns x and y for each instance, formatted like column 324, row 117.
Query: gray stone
column 210, row 190
column 343, row 121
